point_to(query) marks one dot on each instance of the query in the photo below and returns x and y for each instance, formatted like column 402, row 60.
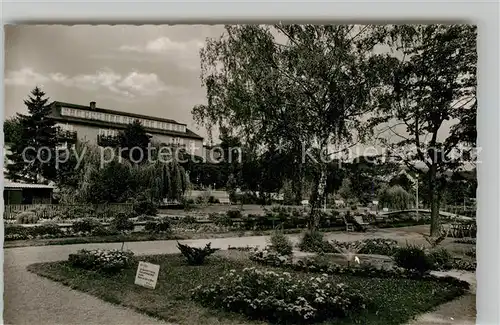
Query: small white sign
column 147, row 275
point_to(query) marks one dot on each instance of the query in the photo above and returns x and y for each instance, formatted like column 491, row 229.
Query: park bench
column 360, row 223
column 348, row 225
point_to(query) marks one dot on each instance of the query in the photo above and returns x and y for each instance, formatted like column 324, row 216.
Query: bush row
column 139, row 206
column 279, row 297
column 270, row 258
column 84, row 227
column 109, row 261
column 315, row 243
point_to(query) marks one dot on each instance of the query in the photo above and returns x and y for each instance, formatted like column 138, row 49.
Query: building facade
column 92, row 124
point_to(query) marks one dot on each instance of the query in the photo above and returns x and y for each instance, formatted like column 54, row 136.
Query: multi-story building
column 92, row 124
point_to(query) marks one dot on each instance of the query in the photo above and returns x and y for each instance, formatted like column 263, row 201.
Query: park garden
column 363, row 239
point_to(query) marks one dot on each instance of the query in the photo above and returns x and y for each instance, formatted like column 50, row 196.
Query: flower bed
column 265, row 257
column 109, row 261
column 280, row 297
column 378, row 246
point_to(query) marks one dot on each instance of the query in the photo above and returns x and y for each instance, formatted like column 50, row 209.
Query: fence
column 49, row 211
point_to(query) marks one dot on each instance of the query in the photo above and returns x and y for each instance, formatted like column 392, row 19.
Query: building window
column 108, row 132
column 87, row 114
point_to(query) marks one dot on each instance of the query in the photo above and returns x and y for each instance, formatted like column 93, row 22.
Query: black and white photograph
column 242, row 174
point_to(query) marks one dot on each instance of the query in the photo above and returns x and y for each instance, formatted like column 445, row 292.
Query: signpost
column 147, row 275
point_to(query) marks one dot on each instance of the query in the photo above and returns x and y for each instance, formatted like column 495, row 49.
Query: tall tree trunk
column 434, row 201
column 317, row 197
column 297, row 182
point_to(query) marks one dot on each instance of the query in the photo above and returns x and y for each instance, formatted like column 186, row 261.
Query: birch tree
column 300, row 87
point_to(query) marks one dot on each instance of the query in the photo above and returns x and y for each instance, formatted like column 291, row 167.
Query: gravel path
column 29, row 299
column 461, row 311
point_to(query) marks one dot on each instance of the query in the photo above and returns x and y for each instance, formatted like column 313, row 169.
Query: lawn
column 393, row 301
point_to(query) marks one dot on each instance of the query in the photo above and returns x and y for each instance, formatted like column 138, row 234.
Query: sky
column 150, row 70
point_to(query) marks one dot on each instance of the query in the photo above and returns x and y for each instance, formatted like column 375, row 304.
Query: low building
column 20, row 193
column 89, row 123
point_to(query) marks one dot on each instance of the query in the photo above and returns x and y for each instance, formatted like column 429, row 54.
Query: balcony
column 67, row 136
column 107, row 140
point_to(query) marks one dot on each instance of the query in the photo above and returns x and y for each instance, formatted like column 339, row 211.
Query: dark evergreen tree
column 133, row 142
column 33, row 151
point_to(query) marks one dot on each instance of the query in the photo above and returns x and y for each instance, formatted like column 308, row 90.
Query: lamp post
column 416, row 196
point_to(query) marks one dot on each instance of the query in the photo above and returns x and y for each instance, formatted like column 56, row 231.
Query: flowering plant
column 315, row 265
column 110, row 261
column 269, row 256
column 280, row 297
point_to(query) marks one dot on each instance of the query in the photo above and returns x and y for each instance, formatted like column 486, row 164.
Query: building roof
column 56, row 115
column 12, row 185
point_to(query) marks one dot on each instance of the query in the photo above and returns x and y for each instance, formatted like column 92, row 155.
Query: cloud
column 25, row 76
column 185, row 54
column 164, row 45
column 132, row 84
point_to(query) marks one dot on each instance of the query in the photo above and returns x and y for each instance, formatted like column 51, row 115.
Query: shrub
column 471, row 253
column 464, row 265
column 162, row 225
column 221, row 220
column 195, row 255
column 281, row 243
column 318, row 264
column 379, row 246
column 314, row 242
column 234, row 214
column 47, row 229
column 441, row 259
column 187, row 204
column 213, row 200
column 470, row 241
column 26, row 217
column 268, row 256
column 144, row 217
column 142, row 205
column 102, row 231
column 241, row 249
column 122, row 222
column 413, row 258
column 16, row 232
column 109, row 261
column 188, row 220
column 85, row 225
column 279, row 297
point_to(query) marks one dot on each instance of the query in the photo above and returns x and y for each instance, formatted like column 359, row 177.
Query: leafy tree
column 299, row 86
column 430, row 84
column 403, row 181
column 121, row 181
column 395, row 197
column 133, row 142
column 12, row 130
column 34, row 145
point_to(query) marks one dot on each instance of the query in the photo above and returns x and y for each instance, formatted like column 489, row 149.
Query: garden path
column 29, row 299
